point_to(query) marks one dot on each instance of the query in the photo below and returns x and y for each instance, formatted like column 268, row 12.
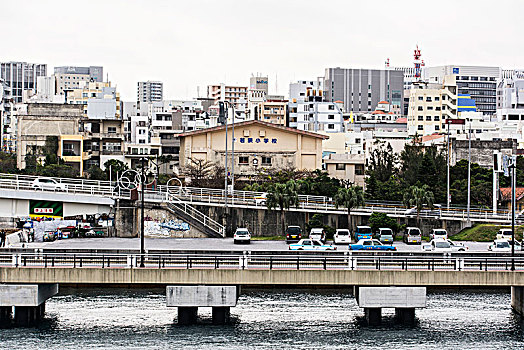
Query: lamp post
column 143, row 183
column 513, row 168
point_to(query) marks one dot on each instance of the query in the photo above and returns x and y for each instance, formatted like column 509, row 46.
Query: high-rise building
column 150, row 91
column 232, row 94
column 360, row 90
column 510, row 100
column 69, row 77
column 20, row 76
column 259, row 83
column 477, row 81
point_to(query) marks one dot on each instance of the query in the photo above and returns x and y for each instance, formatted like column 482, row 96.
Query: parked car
column 385, row 235
column 363, row 232
column 457, row 246
column 311, row 244
column 371, row 244
column 242, row 235
column 293, row 234
column 341, row 236
column 500, row 245
column 412, row 235
column 504, row 233
column 318, row 234
column 49, row 184
column 439, row 233
column 437, row 245
column 261, row 199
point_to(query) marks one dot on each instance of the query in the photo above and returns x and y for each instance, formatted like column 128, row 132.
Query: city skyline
column 190, row 45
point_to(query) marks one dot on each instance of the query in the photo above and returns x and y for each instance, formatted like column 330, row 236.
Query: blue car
column 370, row 244
column 363, row 232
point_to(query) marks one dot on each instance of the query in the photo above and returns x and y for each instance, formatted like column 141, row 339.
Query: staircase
column 195, row 217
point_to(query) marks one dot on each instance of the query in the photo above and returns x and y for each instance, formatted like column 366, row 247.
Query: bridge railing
column 435, row 262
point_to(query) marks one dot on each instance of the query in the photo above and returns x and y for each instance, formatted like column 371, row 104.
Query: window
column 420, row 108
column 359, row 169
column 437, row 128
column 341, row 166
column 428, row 99
column 331, row 126
column 357, row 140
column 331, row 107
column 430, row 108
column 436, row 118
column 243, row 160
column 331, row 117
column 111, row 129
column 142, row 141
column 437, row 108
column 420, row 127
column 420, row 118
column 266, row 160
column 437, row 98
column 428, row 118
column 420, row 98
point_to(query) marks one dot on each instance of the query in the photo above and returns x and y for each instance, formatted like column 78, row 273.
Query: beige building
column 258, row 145
column 430, row 105
column 232, row 94
column 44, row 122
column 272, row 111
column 349, row 167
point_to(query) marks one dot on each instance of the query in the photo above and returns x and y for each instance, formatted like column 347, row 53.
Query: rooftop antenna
column 387, row 62
column 418, row 63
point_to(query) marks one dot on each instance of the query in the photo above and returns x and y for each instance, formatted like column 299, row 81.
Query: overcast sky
column 194, row 43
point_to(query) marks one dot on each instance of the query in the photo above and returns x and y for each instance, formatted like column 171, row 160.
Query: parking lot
column 201, row 244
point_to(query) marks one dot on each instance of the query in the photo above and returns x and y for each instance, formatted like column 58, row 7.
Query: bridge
column 94, row 195
column 193, row 281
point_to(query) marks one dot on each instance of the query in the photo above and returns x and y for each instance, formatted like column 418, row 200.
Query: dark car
column 293, row 234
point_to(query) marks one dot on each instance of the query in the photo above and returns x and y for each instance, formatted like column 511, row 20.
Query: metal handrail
column 263, row 262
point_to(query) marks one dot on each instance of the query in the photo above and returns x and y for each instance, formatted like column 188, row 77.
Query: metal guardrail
column 263, row 262
column 239, row 198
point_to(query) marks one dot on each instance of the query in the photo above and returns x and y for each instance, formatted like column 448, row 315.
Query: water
column 128, row 319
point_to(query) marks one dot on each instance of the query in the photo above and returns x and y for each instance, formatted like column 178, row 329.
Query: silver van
column 412, row 235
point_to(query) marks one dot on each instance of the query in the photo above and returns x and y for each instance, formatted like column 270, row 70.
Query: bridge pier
column 189, row 298
column 403, row 299
column 517, row 300
column 28, row 301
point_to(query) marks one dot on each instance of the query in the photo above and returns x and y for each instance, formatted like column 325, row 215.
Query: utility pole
column 469, row 171
column 142, row 249
column 448, row 198
column 222, row 112
column 513, row 202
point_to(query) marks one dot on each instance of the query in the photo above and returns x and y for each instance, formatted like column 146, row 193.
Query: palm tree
column 419, row 197
column 349, row 198
column 283, row 196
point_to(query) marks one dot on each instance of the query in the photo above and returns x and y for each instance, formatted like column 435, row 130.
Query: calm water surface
column 128, row 319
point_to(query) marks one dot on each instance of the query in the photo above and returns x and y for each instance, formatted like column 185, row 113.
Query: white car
column 311, row 244
column 242, row 235
column 500, row 245
column 49, row 184
column 457, row 246
column 342, row 236
column 261, row 199
column 318, row 234
column 439, row 233
column 504, row 234
column 438, row 246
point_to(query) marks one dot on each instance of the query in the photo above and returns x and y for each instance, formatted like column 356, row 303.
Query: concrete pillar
column 25, row 315
column 221, row 315
column 41, row 310
column 405, row 315
column 187, row 315
column 6, row 313
column 373, row 315
column 517, row 300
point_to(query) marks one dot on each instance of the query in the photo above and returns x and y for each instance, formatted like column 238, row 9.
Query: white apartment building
column 510, row 100
column 236, row 95
column 429, row 105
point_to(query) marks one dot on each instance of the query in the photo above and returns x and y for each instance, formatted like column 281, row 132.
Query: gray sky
column 194, row 43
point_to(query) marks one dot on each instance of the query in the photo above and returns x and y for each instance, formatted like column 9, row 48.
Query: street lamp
column 513, row 168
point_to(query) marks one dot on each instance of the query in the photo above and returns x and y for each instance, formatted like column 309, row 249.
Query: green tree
column 418, row 197
column 349, row 198
column 50, row 150
column 96, row 173
column 382, row 220
column 8, row 163
column 282, row 196
column 57, row 170
column 116, row 167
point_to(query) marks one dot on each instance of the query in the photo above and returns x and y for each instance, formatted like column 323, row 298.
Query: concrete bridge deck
column 262, row 270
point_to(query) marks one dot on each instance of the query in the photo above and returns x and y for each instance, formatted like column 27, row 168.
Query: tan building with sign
column 258, row 145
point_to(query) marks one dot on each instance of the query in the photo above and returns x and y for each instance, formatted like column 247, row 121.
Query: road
column 218, row 244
